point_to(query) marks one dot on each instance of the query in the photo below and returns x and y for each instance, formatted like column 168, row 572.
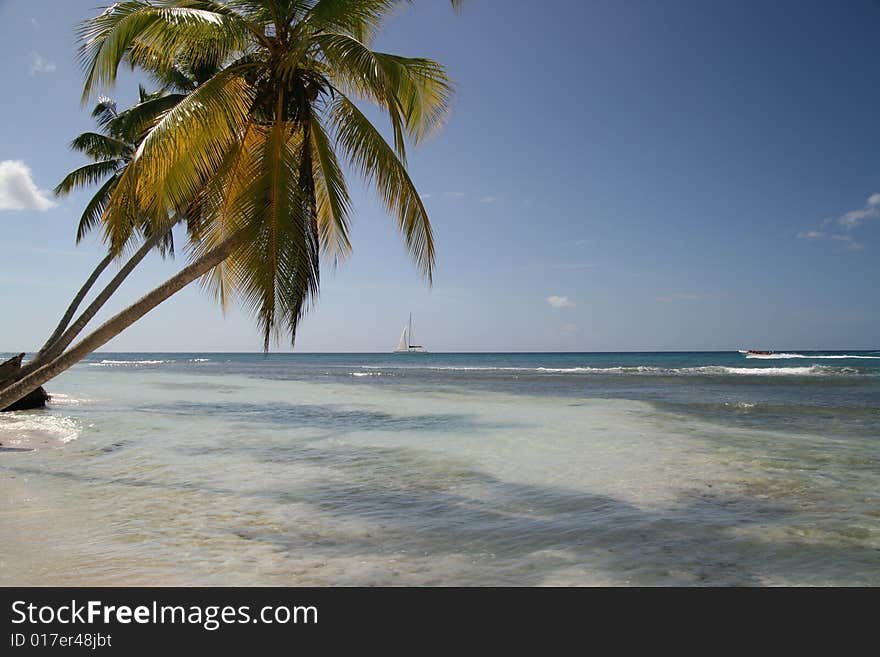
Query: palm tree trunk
column 47, row 353
column 116, row 324
column 71, row 309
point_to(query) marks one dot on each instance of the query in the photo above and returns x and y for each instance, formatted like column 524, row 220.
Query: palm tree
column 258, row 146
column 112, row 150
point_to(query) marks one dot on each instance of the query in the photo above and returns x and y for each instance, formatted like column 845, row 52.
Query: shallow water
column 445, row 469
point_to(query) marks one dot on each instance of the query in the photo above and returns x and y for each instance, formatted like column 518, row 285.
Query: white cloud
column 850, row 243
column 17, row 189
column 487, row 199
column 850, row 220
column 855, row 217
column 871, row 210
column 40, row 64
column 425, row 195
column 560, row 302
column 454, row 194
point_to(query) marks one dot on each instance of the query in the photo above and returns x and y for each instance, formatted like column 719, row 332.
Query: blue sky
column 614, row 175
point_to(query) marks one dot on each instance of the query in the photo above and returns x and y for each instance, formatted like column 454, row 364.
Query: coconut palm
column 259, row 146
column 111, row 150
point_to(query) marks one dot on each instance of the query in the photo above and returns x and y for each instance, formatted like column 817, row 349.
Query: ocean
column 561, row 469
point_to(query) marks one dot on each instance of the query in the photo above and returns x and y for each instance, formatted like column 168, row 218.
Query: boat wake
column 784, row 356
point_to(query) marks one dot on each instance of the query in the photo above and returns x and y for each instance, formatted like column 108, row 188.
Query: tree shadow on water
column 325, row 416
column 437, row 509
column 436, row 505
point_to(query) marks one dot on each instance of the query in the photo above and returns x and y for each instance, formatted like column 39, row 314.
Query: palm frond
column 370, row 154
column 105, row 111
column 89, row 174
column 132, row 123
column 359, row 18
column 275, row 273
column 99, row 147
column 333, row 201
column 415, row 92
column 91, row 215
column 226, row 205
column 179, row 153
column 154, row 35
column 165, row 245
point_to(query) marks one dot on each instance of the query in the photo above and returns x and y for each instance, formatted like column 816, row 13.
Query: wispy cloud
column 17, row 188
column 40, row 64
column 454, row 194
column 816, row 235
column 812, row 235
column 34, row 23
column 822, row 235
column 853, row 218
column 560, row 302
column 425, row 195
column 832, row 227
column 488, row 199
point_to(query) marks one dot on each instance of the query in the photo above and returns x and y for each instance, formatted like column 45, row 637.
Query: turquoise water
column 484, row 469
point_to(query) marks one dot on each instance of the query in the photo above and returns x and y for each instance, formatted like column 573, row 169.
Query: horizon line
column 376, row 353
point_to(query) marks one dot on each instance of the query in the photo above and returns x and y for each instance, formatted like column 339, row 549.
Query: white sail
column 403, row 344
column 406, row 345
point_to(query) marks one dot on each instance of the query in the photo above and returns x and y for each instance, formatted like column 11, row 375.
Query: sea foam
column 784, row 355
column 111, row 363
column 707, row 370
column 19, row 428
column 60, row 398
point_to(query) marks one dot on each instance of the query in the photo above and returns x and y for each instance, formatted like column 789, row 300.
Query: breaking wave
column 21, row 428
column 707, row 370
column 66, row 400
column 740, row 406
column 111, row 363
column 777, row 371
column 784, row 356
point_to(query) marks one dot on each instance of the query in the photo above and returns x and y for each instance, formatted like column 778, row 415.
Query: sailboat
column 406, row 346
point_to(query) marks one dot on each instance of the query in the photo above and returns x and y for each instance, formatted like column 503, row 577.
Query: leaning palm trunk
column 71, row 309
column 116, row 324
column 54, row 348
